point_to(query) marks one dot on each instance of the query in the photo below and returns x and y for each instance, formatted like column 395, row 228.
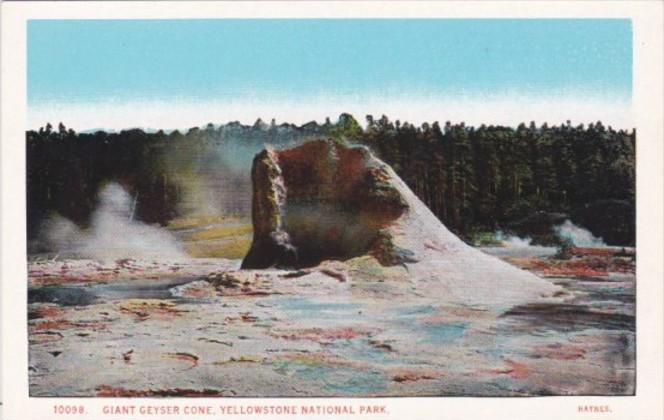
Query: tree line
column 474, row 179
column 519, row 179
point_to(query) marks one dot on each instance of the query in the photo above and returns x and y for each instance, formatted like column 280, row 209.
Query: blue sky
column 243, row 62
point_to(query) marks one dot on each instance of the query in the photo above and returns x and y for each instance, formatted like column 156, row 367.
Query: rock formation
column 325, row 200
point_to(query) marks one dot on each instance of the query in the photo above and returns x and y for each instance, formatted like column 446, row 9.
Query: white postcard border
column 649, row 116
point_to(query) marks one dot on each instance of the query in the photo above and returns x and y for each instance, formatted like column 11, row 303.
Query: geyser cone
column 325, row 200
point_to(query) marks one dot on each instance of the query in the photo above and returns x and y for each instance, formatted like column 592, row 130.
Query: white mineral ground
column 455, row 271
column 457, row 322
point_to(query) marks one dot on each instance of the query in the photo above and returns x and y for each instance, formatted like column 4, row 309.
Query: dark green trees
column 473, row 178
column 494, row 177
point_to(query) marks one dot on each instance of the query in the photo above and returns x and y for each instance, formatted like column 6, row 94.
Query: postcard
column 353, row 210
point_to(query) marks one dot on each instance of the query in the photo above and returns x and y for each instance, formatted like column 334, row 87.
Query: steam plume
column 578, row 235
column 113, row 233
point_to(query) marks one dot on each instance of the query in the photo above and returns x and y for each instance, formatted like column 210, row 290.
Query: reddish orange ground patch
column 60, row 324
column 573, row 272
column 109, row 391
column 321, row 358
column 320, row 334
column 517, row 370
column 143, row 309
column 47, row 312
column 592, row 265
column 513, row 369
column 55, row 324
column 413, row 375
column 192, row 359
column 559, row 351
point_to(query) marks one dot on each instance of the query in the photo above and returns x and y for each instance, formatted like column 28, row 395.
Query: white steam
column 568, row 231
column 578, row 235
column 512, row 241
column 113, row 232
